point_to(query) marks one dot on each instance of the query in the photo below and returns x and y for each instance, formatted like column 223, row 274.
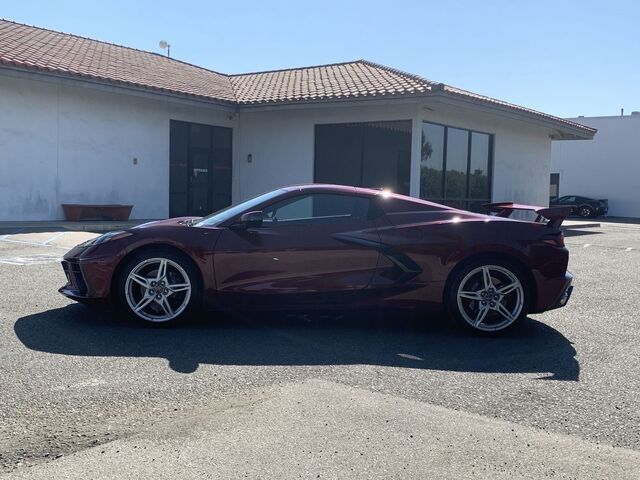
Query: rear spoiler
column 555, row 215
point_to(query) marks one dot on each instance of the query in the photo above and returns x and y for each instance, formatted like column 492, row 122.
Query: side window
column 569, row 200
column 317, row 209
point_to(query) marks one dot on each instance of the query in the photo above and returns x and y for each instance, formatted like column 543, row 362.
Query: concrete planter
column 76, row 212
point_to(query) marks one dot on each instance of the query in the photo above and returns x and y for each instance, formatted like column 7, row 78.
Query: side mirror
column 250, row 219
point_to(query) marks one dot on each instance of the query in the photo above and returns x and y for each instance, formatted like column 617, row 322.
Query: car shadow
column 386, row 338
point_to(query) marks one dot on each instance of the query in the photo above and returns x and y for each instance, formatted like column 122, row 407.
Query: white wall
column 63, row 144
column 60, row 143
column 606, row 167
column 281, row 143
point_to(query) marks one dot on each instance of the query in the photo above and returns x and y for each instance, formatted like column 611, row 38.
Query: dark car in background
column 584, row 207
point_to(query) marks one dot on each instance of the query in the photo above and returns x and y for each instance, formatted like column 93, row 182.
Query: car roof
column 370, row 192
column 579, row 196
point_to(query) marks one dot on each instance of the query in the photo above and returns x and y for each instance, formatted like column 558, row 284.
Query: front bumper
column 88, row 276
column 76, row 285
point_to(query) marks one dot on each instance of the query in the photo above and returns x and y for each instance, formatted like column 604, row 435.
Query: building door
column 200, row 169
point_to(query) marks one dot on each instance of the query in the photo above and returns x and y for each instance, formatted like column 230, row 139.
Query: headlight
column 105, row 237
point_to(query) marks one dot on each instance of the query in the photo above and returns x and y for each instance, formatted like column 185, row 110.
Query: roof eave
column 114, row 84
column 561, row 129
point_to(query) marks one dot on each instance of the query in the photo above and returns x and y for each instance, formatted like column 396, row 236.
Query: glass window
column 479, row 193
column 455, row 166
column 554, row 186
column 228, row 213
column 432, row 160
column 317, row 208
column 456, row 175
column 371, row 154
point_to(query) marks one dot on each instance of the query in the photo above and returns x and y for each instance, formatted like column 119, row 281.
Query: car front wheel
column 488, row 297
column 158, row 287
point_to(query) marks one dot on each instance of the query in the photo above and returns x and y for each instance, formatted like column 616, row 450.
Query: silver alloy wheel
column 490, row 298
column 158, row 290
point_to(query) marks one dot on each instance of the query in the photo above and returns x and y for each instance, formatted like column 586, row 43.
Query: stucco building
column 608, row 167
column 83, row 121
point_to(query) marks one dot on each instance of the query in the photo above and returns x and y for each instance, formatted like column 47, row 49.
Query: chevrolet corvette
column 331, row 247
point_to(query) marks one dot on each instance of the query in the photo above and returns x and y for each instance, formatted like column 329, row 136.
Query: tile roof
column 337, row 81
column 45, row 50
column 34, row 48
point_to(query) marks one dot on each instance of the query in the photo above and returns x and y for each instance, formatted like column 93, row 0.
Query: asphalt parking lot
column 85, row 394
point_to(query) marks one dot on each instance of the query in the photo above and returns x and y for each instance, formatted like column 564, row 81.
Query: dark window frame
column 491, row 148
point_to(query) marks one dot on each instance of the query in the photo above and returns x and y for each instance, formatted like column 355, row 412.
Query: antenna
column 164, row 44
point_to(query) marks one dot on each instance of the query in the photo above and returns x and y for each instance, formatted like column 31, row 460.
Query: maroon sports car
column 329, row 246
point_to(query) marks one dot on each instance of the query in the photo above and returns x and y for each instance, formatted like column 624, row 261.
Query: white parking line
column 37, row 259
column 55, row 237
column 33, row 244
column 586, row 245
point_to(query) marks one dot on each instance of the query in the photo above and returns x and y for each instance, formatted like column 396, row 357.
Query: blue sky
column 566, row 58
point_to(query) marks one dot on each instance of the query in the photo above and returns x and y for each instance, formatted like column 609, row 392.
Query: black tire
column 585, row 211
column 461, row 311
column 178, row 267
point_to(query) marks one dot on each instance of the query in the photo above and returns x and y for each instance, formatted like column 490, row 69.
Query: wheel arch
column 488, row 256
column 155, row 246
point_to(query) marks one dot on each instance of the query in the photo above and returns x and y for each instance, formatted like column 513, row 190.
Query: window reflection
column 431, row 161
column 370, row 154
column 456, row 161
column 455, row 166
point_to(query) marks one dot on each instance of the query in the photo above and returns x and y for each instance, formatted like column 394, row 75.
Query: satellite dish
column 165, row 45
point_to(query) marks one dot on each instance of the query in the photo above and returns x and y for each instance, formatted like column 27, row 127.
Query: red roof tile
column 33, row 48
column 336, row 81
column 40, row 49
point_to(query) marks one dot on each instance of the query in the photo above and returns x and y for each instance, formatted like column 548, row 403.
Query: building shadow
column 385, row 338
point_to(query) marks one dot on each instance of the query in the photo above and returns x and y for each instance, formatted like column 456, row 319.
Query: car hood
column 170, row 222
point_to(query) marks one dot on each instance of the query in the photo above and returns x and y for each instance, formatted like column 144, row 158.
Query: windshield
column 231, row 211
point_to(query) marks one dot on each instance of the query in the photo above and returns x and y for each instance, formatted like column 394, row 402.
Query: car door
column 299, row 250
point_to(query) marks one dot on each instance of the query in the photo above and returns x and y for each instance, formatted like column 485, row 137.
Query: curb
column 66, row 226
column 580, row 225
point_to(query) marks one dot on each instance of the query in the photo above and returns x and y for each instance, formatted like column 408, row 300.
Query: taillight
column 555, row 239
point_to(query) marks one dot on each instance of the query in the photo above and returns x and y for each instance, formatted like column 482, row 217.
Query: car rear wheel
column 488, row 297
column 585, row 211
column 158, row 287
